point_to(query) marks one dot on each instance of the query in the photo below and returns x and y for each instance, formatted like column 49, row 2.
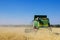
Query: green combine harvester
column 41, row 21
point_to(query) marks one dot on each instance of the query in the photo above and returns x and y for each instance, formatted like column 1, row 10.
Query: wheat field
column 18, row 33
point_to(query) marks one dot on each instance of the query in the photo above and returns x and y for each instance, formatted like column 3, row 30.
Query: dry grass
column 18, row 33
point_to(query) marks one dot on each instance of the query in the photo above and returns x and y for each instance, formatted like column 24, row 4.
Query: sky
column 17, row 12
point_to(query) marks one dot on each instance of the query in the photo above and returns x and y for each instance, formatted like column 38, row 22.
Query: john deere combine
column 41, row 21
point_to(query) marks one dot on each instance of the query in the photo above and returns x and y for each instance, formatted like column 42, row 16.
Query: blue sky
column 22, row 11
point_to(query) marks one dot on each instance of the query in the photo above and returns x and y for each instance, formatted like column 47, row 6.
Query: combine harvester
column 40, row 21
